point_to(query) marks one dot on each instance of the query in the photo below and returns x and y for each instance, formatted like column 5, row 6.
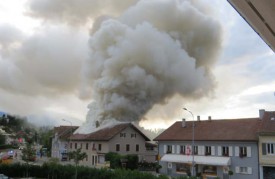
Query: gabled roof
column 106, row 133
column 64, row 132
column 214, row 130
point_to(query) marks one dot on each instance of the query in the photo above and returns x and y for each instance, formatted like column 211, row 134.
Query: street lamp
column 193, row 141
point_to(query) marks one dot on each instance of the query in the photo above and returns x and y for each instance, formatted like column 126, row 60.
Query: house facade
column 220, row 146
column 60, row 141
column 267, row 145
column 122, row 138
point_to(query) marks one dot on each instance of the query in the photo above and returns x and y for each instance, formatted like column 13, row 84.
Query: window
column 182, row 149
column 75, row 145
column 195, row 150
column 122, row 134
column 117, row 147
column 209, row 170
column 127, row 147
column 270, row 148
column 133, row 135
column 243, row 169
column 71, row 145
column 137, row 148
column 182, row 168
column 93, row 160
column 207, row 150
column 243, row 151
column 87, row 146
column 169, row 149
column 99, row 147
column 225, row 151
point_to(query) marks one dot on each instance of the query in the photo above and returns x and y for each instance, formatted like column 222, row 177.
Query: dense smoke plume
column 154, row 50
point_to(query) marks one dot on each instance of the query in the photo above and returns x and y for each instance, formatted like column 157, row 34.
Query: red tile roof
column 107, row 133
column 64, row 132
column 214, row 130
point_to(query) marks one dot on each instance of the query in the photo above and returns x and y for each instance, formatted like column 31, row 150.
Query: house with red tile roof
column 121, row 138
column 219, row 146
column 267, row 145
column 60, row 141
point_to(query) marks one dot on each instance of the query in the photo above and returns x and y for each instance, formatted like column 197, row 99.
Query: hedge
column 57, row 171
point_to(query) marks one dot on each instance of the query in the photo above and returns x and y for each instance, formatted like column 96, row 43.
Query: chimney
column 209, row 118
column 261, row 113
column 183, row 124
column 97, row 124
column 198, row 118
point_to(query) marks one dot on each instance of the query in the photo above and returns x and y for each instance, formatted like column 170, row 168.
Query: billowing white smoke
column 154, row 50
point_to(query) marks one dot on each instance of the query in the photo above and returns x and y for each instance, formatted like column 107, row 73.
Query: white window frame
column 270, row 148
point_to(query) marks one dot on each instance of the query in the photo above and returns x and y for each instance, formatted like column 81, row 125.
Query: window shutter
column 165, row 149
column 212, row 150
column 237, row 169
column 237, row 152
column 248, row 150
column 178, row 149
column 200, row 150
column 219, row 150
column 230, row 151
column 249, row 170
column 173, row 149
column 264, row 148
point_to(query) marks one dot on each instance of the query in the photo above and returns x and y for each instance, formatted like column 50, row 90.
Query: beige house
column 267, row 145
column 123, row 138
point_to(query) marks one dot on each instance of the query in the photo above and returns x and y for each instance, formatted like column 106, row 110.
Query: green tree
column 77, row 156
column 28, row 154
column 44, row 137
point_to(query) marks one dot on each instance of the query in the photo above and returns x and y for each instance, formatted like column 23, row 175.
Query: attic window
column 122, row 134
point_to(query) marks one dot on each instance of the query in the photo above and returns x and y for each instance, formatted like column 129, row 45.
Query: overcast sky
column 44, row 47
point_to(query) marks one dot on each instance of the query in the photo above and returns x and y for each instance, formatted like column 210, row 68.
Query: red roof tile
column 214, row 130
column 106, row 134
column 64, row 132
